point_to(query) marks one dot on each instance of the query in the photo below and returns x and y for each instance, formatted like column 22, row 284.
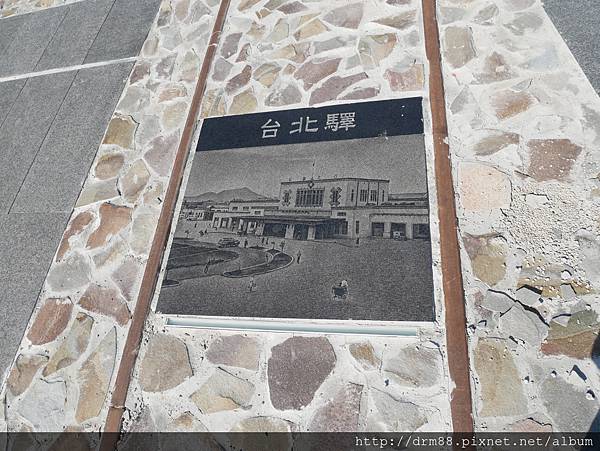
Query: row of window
column 309, row 197
column 364, row 196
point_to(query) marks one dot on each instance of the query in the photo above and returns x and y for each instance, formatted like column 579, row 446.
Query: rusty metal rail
column 456, row 324
column 115, row 413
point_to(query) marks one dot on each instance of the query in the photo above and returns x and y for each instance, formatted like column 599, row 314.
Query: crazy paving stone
column 414, row 367
column 44, row 406
column 365, row 355
column 483, row 187
column 165, row 365
column 108, row 166
column 410, row 79
column 121, row 131
column 507, row 104
column 395, row 414
column 23, row 371
column 500, row 383
column 223, row 391
column 375, row 48
column 551, row 159
column 340, row 413
column 134, row 181
column 496, row 141
column 73, row 346
column 311, row 72
column 401, row 21
column 569, row 406
column 576, row 339
column 345, row 16
column 244, row 102
column 113, row 219
column 106, row 301
column 51, row 319
column 333, row 87
column 160, row 154
column 459, row 48
column 297, row 368
column 234, row 350
column 95, row 375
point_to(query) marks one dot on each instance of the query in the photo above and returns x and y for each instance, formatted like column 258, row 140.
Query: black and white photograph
column 325, row 230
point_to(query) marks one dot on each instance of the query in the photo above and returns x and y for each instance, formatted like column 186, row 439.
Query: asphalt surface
column 50, row 129
column 578, row 21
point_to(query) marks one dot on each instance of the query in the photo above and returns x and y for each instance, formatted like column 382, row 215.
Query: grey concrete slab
column 25, row 128
column 30, row 40
column 9, row 91
column 124, row 30
column 578, row 22
column 77, row 32
column 27, row 245
column 63, row 162
column 8, row 29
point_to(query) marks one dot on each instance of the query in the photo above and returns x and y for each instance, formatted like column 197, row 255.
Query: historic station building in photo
column 347, row 207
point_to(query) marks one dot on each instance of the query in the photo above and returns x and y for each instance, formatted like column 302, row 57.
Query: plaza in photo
column 326, row 230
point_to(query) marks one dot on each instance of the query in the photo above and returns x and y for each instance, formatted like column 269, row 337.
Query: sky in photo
column 400, row 159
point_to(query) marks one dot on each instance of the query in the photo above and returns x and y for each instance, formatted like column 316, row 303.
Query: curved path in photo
column 277, row 260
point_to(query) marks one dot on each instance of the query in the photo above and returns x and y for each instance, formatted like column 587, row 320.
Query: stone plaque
column 319, row 213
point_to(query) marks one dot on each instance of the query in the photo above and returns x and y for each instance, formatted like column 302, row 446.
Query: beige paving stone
column 501, row 390
column 76, row 226
column 108, row 166
column 134, row 181
column 483, row 187
column 23, row 372
column 365, row 355
column 340, row 413
column 165, row 365
column 70, row 274
column 73, row 346
column 121, row 131
column 345, row 16
column 459, row 48
column 414, row 367
column 95, row 375
column 223, row 391
column 576, row 339
column 401, row 21
column 96, row 192
column 411, row 79
column 244, row 102
column 507, row 104
column 234, row 350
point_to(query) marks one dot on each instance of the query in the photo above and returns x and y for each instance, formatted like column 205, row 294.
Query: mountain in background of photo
column 226, row 196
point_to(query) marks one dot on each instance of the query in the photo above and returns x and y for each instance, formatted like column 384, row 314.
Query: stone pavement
column 524, row 127
column 64, row 366
column 50, row 129
column 524, row 136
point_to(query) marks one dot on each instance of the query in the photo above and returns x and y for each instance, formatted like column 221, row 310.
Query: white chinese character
column 333, row 122
column 270, row 130
column 308, row 122
column 299, row 123
column 347, row 120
